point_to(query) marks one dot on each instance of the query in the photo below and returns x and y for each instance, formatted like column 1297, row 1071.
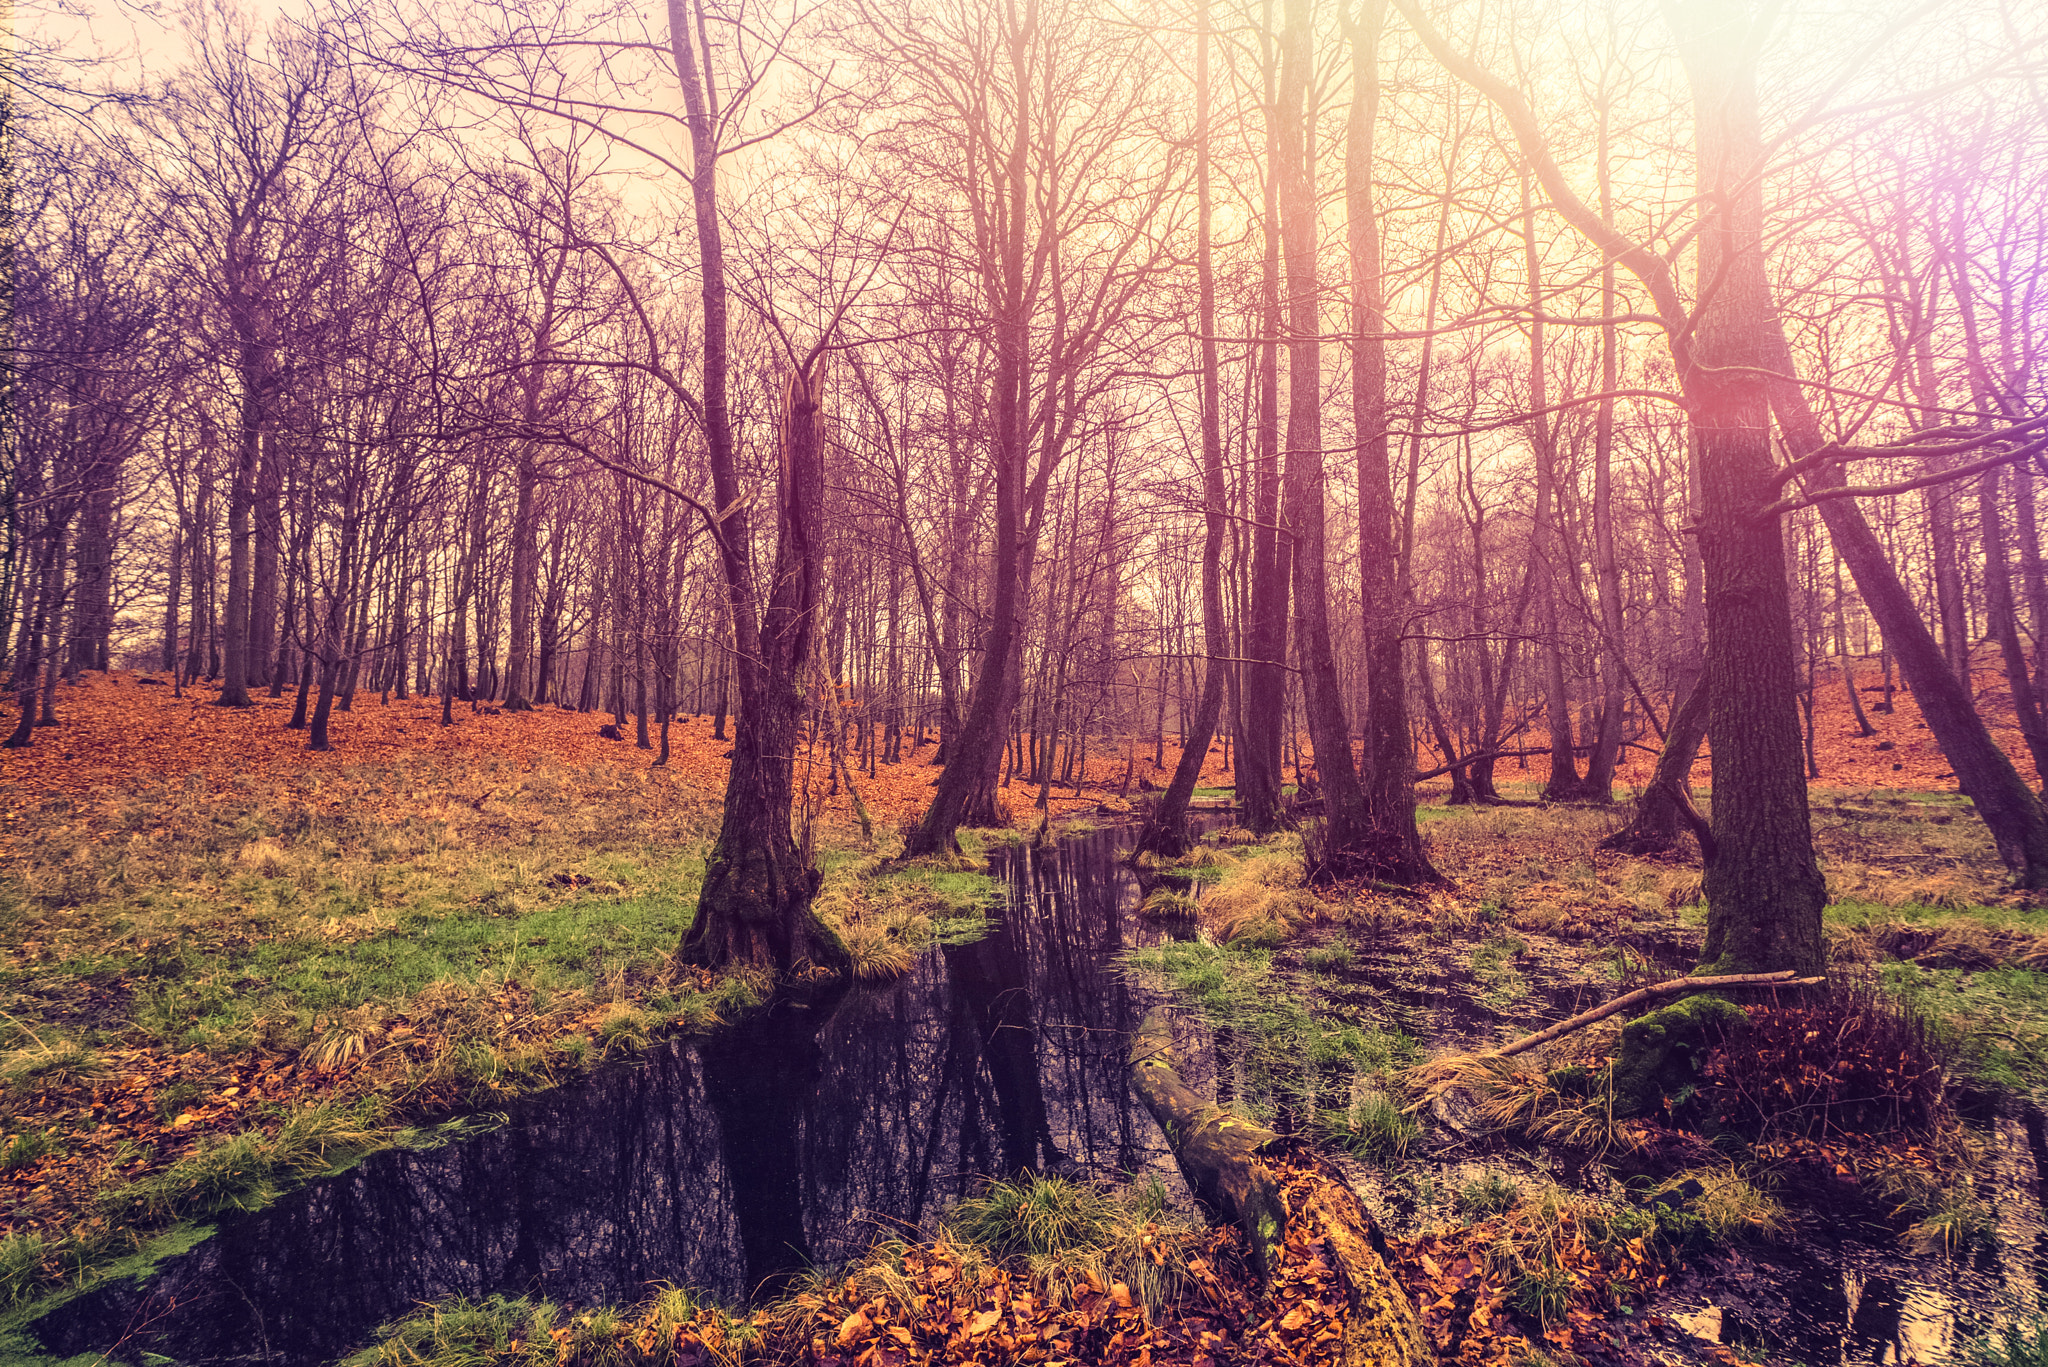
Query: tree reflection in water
column 802, row 1133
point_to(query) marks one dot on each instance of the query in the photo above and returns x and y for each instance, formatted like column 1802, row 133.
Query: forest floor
column 227, row 964
column 1872, row 1140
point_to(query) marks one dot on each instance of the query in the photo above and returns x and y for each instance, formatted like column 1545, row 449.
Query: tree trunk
column 2013, row 812
column 758, row 885
column 1236, row 1168
column 92, row 611
column 755, row 908
column 966, row 787
column 2035, row 582
column 1548, row 560
column 168, row 657
column 267, row 518
column 323, row 710
column 1388, row 844
column 1263, row 681
column 520, row 689
column 2003, row 617
column 38, row 610
column 1864, row 729
column 1764, row 887
column 1665, row 809
column 1166, row 827
column 1599, row 781
column 234, row 639
column 1347, row 835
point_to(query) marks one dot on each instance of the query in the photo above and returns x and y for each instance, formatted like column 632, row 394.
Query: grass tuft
column 1166, row 903
column 1067, row 1235
column 1373, row 1129
column 27, row 1148
column 1037, row 1215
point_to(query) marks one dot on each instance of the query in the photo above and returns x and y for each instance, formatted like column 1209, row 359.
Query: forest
column 1024, row 681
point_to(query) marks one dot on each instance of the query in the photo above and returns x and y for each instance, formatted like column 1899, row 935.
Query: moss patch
column 1661, row 1053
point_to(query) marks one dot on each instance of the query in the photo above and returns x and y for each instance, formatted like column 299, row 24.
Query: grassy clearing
column 247, row 985
column 1536, row 870
column 225, row 920
column 1997, row 1021
column 257, row 982
column 1290, row 1055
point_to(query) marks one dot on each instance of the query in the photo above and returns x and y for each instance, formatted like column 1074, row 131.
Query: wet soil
column 1837, row 1289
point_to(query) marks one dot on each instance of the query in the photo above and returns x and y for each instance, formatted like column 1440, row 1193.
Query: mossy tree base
column 1661, row 1052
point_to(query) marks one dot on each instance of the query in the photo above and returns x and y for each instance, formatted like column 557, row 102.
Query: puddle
column 798, row 1137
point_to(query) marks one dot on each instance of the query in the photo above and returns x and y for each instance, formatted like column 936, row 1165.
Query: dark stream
column 797, row 1137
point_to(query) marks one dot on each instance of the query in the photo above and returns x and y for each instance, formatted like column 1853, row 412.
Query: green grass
column 26, row 1292
column 498, row 1331
column 1284, row 1051
column 1328, row 958
column 243, row 916
column 886, row 914
column 1997, row 1019
column 1492, row 1194
column 1493, row 963
column 1038, row 1215
column 449, row 934
column 26, row 1148
column 958, row 902
column 221, row 999
column 466, row 1333
column 1373, row 1129
column 1063, row 1232
column 1850, row 915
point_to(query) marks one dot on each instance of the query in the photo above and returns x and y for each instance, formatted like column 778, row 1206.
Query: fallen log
column 1245, row 1172
column 1218, row 1152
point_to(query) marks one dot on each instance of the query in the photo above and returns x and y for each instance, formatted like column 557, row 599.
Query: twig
column 1674, row 988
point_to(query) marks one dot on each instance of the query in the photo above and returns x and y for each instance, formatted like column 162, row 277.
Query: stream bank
column 795, row 1137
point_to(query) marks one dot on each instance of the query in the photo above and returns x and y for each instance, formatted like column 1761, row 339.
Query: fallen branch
column 1217, row 1152
column 1676, row 987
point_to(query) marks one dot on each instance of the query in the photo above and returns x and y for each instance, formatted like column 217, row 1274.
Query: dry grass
column 1728, row 1206
column 1166, row 903
column 887, row 911
column 1260, row 901
column 1572, row 1107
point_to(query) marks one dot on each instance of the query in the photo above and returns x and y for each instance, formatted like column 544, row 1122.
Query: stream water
column 804, row 1133
column 797, row 1137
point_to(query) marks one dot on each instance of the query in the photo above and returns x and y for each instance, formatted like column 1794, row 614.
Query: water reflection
column 797, row 1136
